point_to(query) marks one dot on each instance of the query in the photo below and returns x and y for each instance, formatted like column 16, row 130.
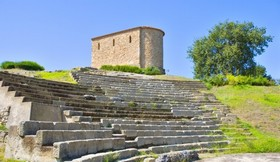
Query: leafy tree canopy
column 229, row 48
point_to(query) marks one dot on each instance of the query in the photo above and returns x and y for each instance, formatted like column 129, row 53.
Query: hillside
column 257, row 105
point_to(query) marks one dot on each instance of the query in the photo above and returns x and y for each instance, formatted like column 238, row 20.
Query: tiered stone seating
column 145, row 133
column 72, row 97
column 33, row 140
column 105, row 116
column 182, row 97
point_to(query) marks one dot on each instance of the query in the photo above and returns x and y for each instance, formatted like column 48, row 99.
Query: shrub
column 220, row 80
column 29, row 65
column 239, row 80
column 217, row 80
column 123, row 68
column 152, row 71
column 127, row 68
column 132, row 69
column 25, row 65
column 261, row 81
column 8, row 65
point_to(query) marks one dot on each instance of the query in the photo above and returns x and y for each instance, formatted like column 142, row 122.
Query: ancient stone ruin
column 108, row 117
column 140, row 46
column 105, row 117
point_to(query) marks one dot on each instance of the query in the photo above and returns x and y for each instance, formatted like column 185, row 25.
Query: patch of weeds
column 144, row 106
column 3, row 127
column 132, row 104
column 214, row 108
column 173, row 102
column 151, row 154
column 111, row 104
column 154, row 105
column 206, row 98
column 113, row 157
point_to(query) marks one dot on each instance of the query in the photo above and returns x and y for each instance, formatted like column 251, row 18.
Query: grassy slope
column 172, row 77
column 258, row 109
column 260, row 106
column 62, row 76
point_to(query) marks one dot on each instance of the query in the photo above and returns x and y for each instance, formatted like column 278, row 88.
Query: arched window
column 113, row 42
column 130, row 39
column 98, row 46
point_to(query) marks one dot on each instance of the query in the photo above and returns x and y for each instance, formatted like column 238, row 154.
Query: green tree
column 230, row 47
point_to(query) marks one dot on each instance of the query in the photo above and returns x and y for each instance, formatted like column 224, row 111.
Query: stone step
column 31, row 127
column 88, row 116
column 119, row 84
column 70, row 101
column 146, row 94
column 12, row 78
column 48, row 137
column 134, row 89
column 188, row 113
column 139, row 82
column 114, row 108
column 119, row 127
column 145, row 141
column 110, row 121
column 93, row 112
column 187, row 146
column 82, row 119
column 202, row 118
column 108, row 156
column 131, row 144
column 68, row 150
column 70, row 113
column 131, row 134
column 45, row 89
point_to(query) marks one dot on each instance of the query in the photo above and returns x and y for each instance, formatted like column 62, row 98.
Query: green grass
column 151, row 154
column 256, row 105
column 111, row 157
column 62, row 76
column 173, row 77
column 247, row 139
column 2, row 127
column 132, row 69
column 26, row 65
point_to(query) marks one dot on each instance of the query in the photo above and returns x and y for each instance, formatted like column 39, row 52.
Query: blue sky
column 57, row 33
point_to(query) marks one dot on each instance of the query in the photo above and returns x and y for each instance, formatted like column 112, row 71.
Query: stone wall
column 141, row 46
column 118, row 49
column 151, row 48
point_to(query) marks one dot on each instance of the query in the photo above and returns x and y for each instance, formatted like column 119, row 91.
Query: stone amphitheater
column 109, row 118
